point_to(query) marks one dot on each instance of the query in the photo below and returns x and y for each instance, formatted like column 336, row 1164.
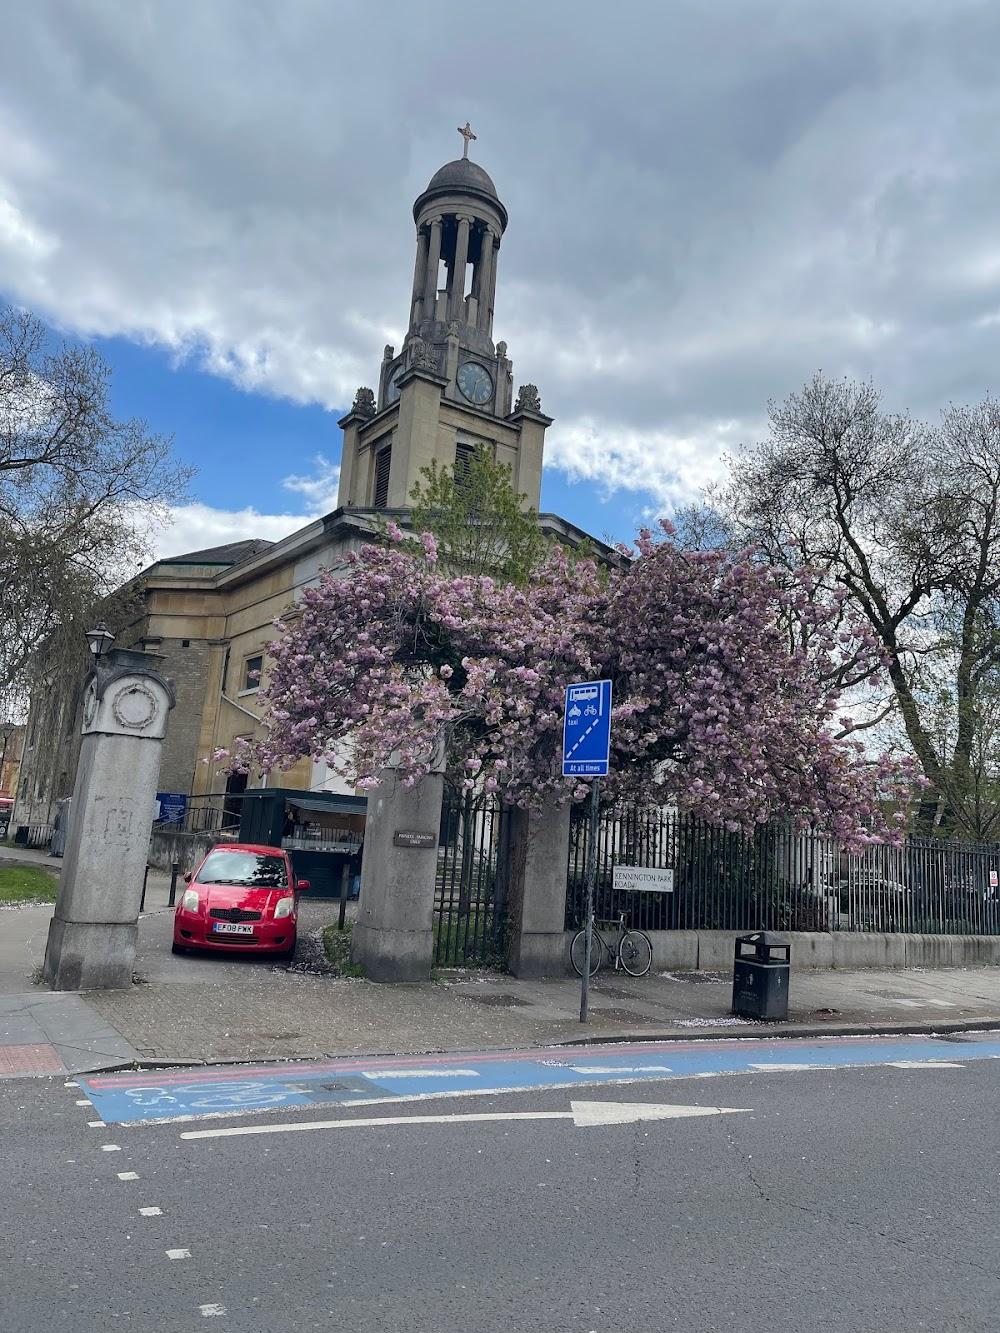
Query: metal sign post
column 595, row 802
column 586, row 754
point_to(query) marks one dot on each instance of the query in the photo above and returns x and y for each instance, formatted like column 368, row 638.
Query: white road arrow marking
column 581, row 1113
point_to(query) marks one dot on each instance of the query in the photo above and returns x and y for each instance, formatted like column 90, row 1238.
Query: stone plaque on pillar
column 92, row 936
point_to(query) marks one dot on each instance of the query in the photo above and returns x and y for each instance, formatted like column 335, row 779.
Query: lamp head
column 99, row 639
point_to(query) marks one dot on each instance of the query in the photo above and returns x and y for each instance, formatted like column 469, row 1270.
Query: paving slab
column 42, row 1032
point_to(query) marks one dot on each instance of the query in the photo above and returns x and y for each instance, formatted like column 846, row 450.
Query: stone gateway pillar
column 539, row 854
column 92, row 936
column 393, row 937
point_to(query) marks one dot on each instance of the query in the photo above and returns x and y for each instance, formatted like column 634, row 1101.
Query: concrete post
column 393, row 937
column 539, row 947
column 92, row 936
column 433, row 264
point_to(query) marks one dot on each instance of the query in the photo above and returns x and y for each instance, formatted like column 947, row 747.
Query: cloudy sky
column 709, row 200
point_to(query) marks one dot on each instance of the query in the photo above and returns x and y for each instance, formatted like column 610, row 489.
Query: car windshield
column 245, row 868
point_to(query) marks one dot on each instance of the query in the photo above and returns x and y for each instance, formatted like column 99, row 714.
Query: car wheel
column 286, row 955
column 178, row 948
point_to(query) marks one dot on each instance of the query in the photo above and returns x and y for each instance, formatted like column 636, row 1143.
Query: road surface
column 842, row 1196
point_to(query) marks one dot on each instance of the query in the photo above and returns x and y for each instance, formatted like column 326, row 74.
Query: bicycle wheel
column 578, row 952
column 636, row 953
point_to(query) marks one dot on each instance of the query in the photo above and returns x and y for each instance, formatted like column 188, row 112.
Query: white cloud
column 670, row 467
column 707, row 202
column 319, row 487
column 195, row 527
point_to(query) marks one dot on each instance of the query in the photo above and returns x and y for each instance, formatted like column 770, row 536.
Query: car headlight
column 284, row 907
column 190, row 900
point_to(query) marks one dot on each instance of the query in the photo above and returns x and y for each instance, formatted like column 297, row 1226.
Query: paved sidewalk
column 204, row 1008
column 42, row 1032
column 251, row 1011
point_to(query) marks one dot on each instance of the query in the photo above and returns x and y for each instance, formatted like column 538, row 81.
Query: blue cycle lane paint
column 226, row 1091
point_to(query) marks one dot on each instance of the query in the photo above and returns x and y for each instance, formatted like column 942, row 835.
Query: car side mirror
column 302, row 885
column 187, row 876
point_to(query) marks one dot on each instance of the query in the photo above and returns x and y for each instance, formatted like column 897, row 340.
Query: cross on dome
column 466, row 134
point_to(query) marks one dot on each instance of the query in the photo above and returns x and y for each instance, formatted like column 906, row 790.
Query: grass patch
column 337, row 947
column 21, row 884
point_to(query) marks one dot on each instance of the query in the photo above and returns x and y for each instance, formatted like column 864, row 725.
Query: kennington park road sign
column 587, row 729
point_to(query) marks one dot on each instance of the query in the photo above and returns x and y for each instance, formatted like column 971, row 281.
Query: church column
column 489, row 282
column 456, row 295
column 419, row 275
column 477, row 272
column 433, row 264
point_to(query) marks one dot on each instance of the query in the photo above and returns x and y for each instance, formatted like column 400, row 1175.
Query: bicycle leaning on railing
column 632, row 950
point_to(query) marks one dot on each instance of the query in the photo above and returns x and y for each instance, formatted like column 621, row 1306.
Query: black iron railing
column 781, row 880
column 470, row 902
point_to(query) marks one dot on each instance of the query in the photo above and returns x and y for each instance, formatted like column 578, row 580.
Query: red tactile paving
column 40, row 1059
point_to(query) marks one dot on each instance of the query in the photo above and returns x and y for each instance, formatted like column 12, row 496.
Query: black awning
column 333, row 805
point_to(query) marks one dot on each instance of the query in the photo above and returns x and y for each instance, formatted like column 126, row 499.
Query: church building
column 209, row 614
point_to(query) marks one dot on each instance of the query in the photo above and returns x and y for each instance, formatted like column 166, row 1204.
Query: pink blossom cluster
column 717, row 707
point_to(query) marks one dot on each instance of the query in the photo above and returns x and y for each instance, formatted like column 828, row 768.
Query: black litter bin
column 760, row 977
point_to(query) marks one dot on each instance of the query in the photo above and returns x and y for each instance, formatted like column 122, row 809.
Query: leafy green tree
column 478, row 520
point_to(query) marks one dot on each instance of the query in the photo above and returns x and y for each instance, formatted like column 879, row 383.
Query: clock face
column 475, row 382
column 392, row 388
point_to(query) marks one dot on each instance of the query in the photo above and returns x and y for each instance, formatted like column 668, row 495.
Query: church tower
column 450, row 387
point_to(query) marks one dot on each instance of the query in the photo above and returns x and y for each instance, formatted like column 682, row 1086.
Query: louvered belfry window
column 382, row 461
column 463, row 458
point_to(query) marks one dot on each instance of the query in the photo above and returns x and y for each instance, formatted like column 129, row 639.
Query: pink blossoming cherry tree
column 727, row 683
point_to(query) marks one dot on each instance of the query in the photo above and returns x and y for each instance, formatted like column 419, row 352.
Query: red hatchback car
column 242, row 896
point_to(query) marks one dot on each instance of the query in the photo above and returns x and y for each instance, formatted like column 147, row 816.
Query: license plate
column 226, row 928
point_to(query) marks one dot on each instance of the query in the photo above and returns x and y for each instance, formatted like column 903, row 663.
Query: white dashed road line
column 208, row 1311
column 924, row 1064
column 422, row 1073
column 97, row 1124
column 110, row 1147
column 128, row 1175
column 151, row 1212
column 786, row 1067
column 178, row 1254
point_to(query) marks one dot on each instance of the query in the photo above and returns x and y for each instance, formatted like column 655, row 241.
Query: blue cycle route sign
column 587, row 729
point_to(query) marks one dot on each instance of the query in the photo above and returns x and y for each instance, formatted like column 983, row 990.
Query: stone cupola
column 460, row 221
column 450, row 388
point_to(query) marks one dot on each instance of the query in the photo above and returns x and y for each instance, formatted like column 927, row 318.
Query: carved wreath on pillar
column 134, row 707
column 364, row 403
column 528, row 399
